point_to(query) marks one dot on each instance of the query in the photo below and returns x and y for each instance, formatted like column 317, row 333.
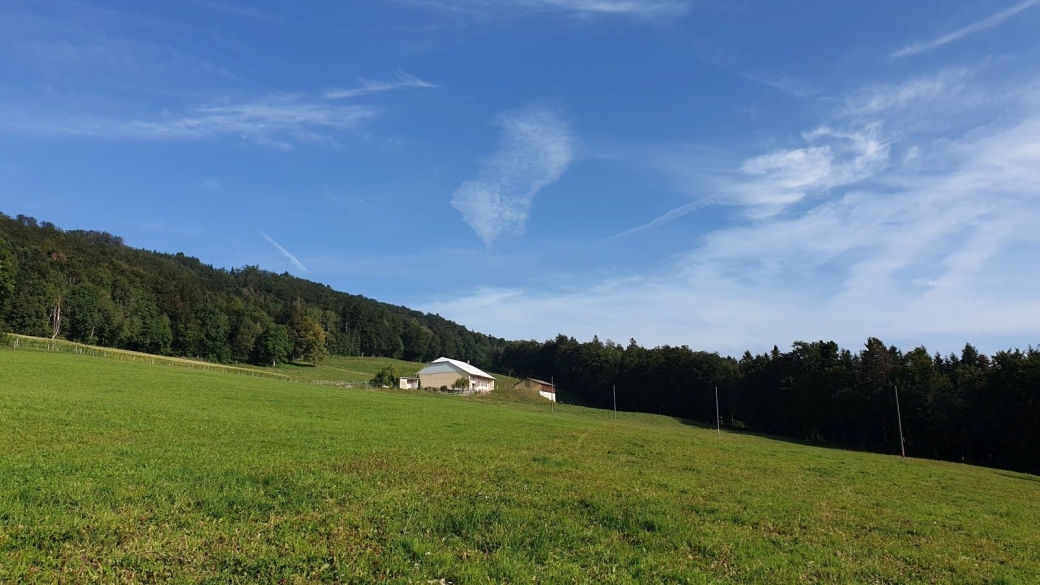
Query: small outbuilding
column 408, row 383
column 445, row 371
column 544, row 389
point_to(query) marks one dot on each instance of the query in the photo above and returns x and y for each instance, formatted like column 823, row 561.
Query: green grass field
column 333, row 371
column 354, row 370
column 115, row 471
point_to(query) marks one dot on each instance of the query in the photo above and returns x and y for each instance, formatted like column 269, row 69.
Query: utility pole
column 899, row 417
column 614, row 389
column 552, row 403
column 718, row 419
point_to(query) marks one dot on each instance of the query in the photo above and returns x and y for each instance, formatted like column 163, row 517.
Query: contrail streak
column 960, row 33
column 284, row 252
column 671, row 215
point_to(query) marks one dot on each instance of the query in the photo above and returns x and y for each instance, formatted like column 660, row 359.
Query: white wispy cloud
column 782, row 82
column 299, row 265
column 535, row 149
column 634, row 8
column 767, row 184
column 402, row 81
column 877, row 99
column 95, row 48
column 926, row 251
column 990, row 22
column 277, row 121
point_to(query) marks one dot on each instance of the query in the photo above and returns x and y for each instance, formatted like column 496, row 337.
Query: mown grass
column 357, row 371
column 113, row 471
column 26, row 342
column 334, row 370
column 351, row 370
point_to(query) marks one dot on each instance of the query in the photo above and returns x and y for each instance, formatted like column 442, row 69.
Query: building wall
column 528, row 385
column 436, row 380
column 548, row 395
column 535, row 387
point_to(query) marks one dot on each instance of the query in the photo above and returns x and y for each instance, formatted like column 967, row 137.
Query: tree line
column 965, row 407
column 91, row 287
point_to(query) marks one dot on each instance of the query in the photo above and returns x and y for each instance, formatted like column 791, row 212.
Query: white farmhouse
column 445, row 371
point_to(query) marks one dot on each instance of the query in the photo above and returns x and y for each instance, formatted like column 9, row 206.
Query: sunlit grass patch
column 121, row 471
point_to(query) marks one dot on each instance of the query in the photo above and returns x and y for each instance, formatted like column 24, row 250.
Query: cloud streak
column 535, row 149
column 403, row 81
column 781, row 82
column 645, row 9
column 878, row 99
column 299, row 265
column 278, row 121
column 852, row 148
column 923, row 249
column 768, row 184
column 670, row 216
column 986, row 23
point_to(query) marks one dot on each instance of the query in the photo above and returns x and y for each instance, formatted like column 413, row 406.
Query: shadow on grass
column 852, row 448
column 570, row 398
column 785, row 439
column 1022, row 476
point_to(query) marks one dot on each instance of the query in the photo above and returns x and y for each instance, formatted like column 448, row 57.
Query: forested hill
column 90, row 287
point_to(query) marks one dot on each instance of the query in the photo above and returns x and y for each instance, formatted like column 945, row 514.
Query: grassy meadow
column 116, row 471
column 355, row 371
column 349, row 370
column 334, row 370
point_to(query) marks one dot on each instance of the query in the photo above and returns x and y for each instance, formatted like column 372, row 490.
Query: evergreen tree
column 214, row 331
column 8, row 275
column 306, row 335
column 272, row 345
column 84, row 313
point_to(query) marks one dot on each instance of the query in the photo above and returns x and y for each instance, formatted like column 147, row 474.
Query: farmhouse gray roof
column 456, row 364
column 542, row 382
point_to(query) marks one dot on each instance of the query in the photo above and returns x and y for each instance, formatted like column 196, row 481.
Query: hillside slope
column 90, row 287
column 133, row 472
column 114, row 295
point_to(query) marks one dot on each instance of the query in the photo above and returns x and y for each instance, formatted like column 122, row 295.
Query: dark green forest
column 90, row 287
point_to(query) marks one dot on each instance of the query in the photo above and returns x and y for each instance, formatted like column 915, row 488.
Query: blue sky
column 725, row 175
